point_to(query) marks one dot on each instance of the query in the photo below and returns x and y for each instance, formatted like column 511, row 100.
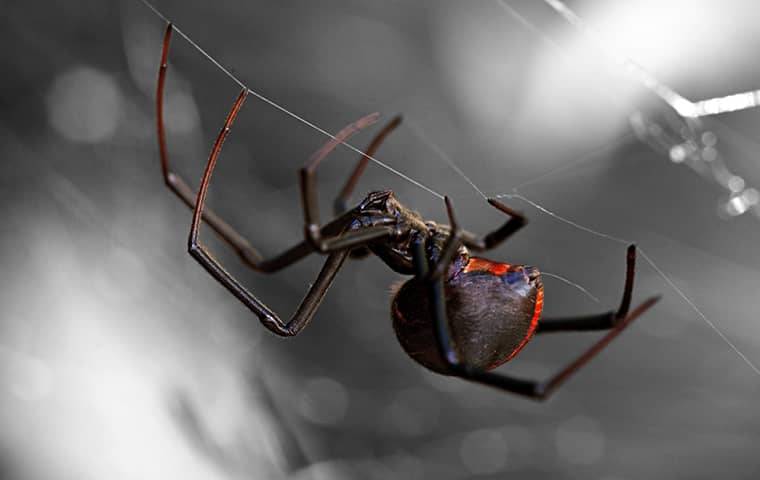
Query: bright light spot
column 484, row 451
column 684, row 107
column 580, row 441
column 657, row 34
column 678, row 153
column 729, row 103
column 84, row 105
column 324, row 401
column 738, row 204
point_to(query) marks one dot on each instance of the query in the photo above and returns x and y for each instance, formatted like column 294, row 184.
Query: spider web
column 586, row 203
column 683, row 141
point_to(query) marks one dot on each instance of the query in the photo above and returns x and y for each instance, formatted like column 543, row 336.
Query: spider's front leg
column 338, row 245
column 341, row 202
column 247, row 253
column 310, row 204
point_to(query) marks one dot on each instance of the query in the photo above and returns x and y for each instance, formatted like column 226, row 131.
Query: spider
column 459, row 315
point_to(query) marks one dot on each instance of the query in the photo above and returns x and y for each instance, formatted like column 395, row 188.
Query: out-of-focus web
column 681, row 105
column 682, row 136
column 684, row 106
column 515, row 192
column 517, row 195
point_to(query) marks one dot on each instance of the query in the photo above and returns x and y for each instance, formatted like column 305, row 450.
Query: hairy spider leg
column 530, row 388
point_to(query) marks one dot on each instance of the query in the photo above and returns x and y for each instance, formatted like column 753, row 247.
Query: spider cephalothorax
column 459, row 314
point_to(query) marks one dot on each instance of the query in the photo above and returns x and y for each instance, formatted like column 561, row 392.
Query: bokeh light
column 84, row 105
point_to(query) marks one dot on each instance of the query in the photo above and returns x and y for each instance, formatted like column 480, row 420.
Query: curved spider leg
column 493, row 239
column 177, row 184
column 529, row 388
column 307, row 177
column 338, row 247
column 546, row 388
column 341, row 201
column 601, row 321
column 450, row 248
column 248, row 254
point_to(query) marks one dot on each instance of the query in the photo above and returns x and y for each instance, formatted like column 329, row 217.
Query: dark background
column 121, row 358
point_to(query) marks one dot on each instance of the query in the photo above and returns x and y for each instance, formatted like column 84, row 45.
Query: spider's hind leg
column 600, row 321
column 537, row 390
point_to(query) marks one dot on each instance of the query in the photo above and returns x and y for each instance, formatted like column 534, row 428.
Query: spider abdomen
column 493, row 310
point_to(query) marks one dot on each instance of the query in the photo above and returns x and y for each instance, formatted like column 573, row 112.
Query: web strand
column 582, row 159
column 444, row 156
column 565, row 220
column 622, row 241
column 661, row 90
column 698, row 311
column 283, row 109
column 572, row 284
column 651, row 262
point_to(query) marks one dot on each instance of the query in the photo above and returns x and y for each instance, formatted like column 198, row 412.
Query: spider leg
column 341, row 201
column 491, row 240
column 239, row 243
column 340, row 205
column 307, row 176
column 601, row 321
column 338, row 246
column 530, row 388
column 177, row 184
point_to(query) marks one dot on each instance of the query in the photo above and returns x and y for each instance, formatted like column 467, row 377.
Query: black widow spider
column 459, row 315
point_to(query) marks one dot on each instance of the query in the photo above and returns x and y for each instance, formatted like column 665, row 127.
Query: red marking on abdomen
column 482, row 265
column 533, row 322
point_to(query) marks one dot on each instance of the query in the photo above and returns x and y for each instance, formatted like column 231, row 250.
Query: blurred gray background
column 121, row 358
